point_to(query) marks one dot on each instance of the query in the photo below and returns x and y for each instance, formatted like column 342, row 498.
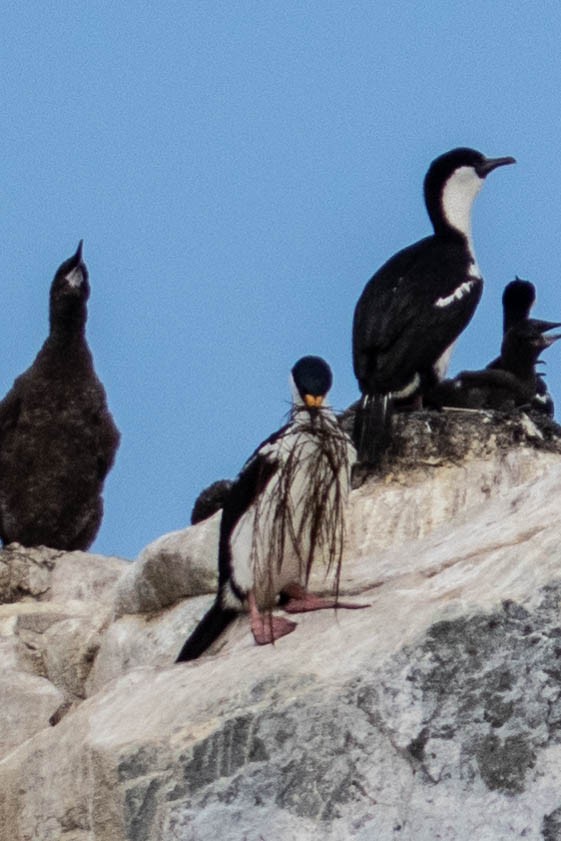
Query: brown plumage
column 57, row 437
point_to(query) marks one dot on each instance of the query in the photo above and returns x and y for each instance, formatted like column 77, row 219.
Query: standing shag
column 57, row 437
column 284, row 512
column 518, row 299
column 413, row 309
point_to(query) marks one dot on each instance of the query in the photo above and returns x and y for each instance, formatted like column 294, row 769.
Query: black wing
column 408, row 314
column 251, row 481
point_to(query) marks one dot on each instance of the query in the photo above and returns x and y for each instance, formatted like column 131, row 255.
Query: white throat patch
column 458, row 196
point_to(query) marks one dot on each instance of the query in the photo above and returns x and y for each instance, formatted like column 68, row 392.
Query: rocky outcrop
column 54, row 609
column 434, row 713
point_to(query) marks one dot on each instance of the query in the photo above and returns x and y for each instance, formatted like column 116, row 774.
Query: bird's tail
column 372, row 428
column 215, row 620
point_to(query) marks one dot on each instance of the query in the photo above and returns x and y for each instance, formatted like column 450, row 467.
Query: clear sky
column 238, row 170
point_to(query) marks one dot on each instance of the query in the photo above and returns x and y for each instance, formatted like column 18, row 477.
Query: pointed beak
column 312, row 401
column 76, row 259
column 489, row 164
column 76, row 271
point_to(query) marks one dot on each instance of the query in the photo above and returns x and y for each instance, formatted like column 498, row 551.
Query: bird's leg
column 301, row 601
column 267, row 628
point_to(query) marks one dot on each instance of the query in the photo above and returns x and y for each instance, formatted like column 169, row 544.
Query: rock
column 27, row 703
column 51, row 575
column 25, row 572
column 144, row 640
column 53, row 607
column 181, row 563
column 81, row 576
column 428, row 438
column 407, row 505
column 435, row 713
column 441, row 464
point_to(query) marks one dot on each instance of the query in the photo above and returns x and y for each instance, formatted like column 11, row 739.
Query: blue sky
column 238, row 171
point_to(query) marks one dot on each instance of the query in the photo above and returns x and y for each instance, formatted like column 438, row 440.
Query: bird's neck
column 67, row 317
column 522, row 366
column 451, row 214
column 513, row 316
column 67, row 331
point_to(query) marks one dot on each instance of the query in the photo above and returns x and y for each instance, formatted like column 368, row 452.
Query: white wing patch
column 458, row 293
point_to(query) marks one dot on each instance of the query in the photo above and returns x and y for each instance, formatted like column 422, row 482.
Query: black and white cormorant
column 284, row 512
column 413, row 309
column 57, row 437
column 510, row 381
column 518, row 299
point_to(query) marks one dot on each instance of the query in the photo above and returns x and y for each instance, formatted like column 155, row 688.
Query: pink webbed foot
column 266, row 629
column 301, row 601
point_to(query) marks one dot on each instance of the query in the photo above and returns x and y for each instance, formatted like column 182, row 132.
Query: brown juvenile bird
column 57, row 437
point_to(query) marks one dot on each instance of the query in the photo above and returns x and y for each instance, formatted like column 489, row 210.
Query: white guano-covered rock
column 433, row 713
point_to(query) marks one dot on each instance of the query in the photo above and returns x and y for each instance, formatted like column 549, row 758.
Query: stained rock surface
column 435, row 713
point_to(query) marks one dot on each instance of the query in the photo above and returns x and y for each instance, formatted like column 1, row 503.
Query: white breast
column 299, row 518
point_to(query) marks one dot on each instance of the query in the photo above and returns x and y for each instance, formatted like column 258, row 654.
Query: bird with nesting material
column 284, row 513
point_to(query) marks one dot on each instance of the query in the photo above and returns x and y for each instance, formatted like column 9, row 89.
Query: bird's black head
column 70, row 291
column 451, row 184
column 312, row 380
column 518, row 299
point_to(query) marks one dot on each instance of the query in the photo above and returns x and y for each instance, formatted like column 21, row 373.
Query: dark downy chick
column 518, row 299
column 511, row 381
